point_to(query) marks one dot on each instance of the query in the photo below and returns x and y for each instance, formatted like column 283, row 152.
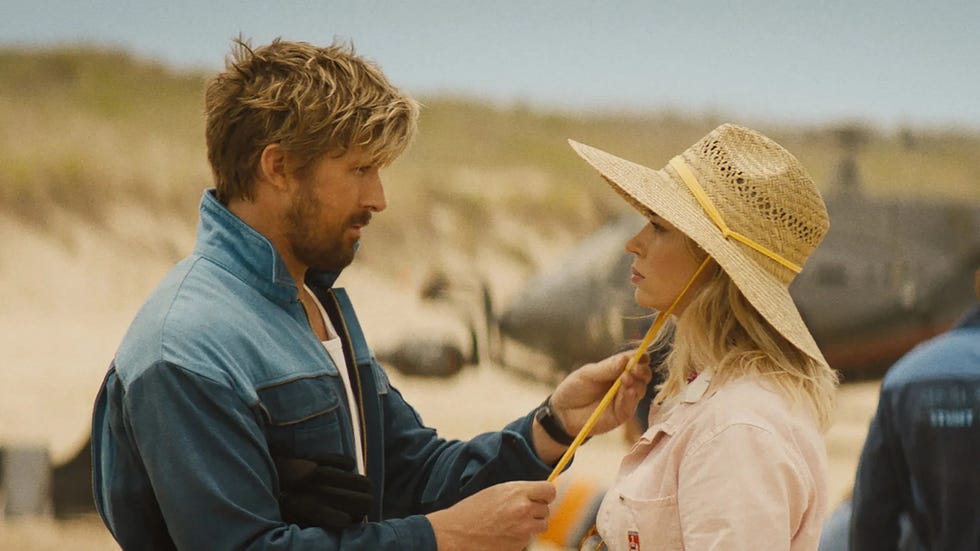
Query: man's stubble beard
column 300, row 222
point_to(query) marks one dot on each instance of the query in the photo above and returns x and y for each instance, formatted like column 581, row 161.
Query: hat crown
column 762, row 192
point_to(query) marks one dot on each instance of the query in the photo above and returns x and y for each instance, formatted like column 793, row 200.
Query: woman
column 733, row 457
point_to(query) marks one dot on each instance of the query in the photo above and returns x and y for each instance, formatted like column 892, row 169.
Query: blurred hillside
column 85, row 131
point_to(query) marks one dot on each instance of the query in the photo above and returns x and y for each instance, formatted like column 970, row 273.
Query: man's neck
column 312, row 306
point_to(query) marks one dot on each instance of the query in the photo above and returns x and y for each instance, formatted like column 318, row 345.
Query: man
column 921, row 460
column 245, row 360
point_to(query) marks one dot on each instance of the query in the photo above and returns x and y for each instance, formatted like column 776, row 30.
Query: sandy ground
column 65, row 303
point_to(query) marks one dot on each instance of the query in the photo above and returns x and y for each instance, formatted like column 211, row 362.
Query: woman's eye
column 657, row 227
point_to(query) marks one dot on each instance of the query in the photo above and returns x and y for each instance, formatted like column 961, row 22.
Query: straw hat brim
column 662, row 192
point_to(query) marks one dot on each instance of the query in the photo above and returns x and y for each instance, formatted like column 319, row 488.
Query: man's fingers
column 641, row 369
column 622, row 361
column 541, row 491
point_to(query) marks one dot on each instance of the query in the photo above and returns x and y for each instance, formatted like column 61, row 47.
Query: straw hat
column 747, row 202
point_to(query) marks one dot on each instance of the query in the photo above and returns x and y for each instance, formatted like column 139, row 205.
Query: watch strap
column 549, row 421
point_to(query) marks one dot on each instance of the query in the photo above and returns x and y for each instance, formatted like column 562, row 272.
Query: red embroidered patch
column 634, row 540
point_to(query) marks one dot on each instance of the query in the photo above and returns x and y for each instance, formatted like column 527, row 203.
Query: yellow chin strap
column 692, row 183
column 611, row 393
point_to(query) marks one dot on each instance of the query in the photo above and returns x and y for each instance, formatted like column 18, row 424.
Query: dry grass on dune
column 82, row 126
column 85, row 127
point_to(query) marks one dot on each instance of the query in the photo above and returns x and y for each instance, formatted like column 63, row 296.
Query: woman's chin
column 643, row 300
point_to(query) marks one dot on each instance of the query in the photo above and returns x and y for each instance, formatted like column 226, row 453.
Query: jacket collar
column 228, row 241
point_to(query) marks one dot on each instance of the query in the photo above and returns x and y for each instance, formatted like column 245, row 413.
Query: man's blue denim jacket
column 220, row 371
column 922, row 454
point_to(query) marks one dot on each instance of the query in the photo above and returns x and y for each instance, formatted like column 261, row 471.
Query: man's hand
column 499, row 518
column 326, row 491
column 580, row 393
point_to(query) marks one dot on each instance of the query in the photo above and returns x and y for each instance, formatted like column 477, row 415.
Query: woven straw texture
column 761, row 191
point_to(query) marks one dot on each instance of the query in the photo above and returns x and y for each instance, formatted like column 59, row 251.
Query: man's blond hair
column 310, row 100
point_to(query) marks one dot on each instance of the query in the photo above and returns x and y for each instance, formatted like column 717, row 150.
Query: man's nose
column 374, row 194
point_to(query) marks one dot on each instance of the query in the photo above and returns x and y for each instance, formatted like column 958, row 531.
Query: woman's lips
column 635, row 276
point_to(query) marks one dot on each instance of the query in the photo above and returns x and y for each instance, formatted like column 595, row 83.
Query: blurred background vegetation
column 88, row 129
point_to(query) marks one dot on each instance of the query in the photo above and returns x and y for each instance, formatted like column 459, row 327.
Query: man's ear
column 272, row 166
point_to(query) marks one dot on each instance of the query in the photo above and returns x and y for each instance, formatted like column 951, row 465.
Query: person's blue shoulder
column 142, row 346
column 211, row 323
column 951, row 355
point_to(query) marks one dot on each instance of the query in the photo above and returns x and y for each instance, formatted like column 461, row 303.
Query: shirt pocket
column 654, row 523
column 304, row 418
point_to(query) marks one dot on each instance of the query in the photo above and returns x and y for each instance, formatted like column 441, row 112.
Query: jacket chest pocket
column 304, row 418
column 627, row 523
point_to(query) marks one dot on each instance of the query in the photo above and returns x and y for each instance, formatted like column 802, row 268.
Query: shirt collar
column 696, row 389
column 665, row 419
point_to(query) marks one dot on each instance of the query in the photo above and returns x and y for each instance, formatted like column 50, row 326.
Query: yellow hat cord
column 611, row 393
column 692, row 183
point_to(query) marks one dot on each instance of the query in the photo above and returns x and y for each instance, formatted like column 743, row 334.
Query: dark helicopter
column 888, row 275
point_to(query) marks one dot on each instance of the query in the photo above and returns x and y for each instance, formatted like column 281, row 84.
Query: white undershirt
column 335, row 348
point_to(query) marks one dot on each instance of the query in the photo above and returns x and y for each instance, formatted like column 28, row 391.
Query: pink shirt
column 726, row 468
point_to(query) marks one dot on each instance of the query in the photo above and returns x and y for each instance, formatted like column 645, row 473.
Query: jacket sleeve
column 742, row 489
column 877, row 487
column 214, row 479
column 425, row 473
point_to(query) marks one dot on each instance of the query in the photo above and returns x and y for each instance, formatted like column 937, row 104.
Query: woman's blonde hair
column 721, row 330
column 310, row 100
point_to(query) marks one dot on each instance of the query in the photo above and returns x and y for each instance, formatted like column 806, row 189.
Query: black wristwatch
column 545, row 415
